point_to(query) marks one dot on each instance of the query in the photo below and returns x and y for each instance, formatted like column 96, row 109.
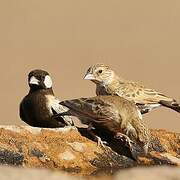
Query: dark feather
column 171, row 104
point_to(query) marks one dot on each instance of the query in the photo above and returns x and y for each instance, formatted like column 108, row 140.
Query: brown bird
column 39, row 105
column 113, row 114
column 108, row 83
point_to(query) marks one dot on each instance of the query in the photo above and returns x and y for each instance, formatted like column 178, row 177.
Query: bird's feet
column 95, row 137
column 100, row 143
column 125, row 138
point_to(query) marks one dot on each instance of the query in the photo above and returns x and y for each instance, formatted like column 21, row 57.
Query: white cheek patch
column 33, row 80
column 48, row 81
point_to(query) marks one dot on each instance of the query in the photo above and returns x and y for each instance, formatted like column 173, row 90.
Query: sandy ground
column 139, row 39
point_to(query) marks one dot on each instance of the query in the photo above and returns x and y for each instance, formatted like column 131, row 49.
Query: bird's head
column 99, row 74
column 39, row 79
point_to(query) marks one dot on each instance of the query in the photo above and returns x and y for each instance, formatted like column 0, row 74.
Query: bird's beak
column 89, row 77
column 34, row 80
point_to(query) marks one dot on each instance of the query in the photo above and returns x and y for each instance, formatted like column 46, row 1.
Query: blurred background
column 139, row 39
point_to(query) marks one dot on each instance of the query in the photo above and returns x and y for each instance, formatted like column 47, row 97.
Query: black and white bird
column 39, row 105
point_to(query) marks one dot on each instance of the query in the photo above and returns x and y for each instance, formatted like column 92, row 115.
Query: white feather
column 53, row 103
column 48, row 81
column 151, row 106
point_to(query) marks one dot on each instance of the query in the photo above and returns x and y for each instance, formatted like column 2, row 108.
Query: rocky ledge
column 66, row 149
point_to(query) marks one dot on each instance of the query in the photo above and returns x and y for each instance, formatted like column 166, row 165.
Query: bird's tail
column 171, row 104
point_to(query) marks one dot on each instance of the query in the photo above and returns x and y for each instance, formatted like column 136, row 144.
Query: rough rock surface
column 65, row 149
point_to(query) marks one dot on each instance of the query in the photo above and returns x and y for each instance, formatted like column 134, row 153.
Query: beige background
column 139, row 39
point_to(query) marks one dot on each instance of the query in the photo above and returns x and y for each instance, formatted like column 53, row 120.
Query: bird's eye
column 88, row 71
column 100, row 71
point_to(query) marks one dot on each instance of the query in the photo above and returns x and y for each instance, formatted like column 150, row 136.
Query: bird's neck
column 48, row 91
column 111, row 87
column 115, row 80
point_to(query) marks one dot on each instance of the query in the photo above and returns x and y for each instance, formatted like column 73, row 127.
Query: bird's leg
column 127, row 139
column 95, row 137
column 100, row 142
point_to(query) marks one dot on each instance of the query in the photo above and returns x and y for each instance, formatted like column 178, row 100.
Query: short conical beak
column 89, row 77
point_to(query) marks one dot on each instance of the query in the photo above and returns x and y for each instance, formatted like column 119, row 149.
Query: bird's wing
column 140, row 94
column 58, row 108
column 96, row 109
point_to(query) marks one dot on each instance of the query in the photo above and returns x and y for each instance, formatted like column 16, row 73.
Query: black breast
column 34, row 111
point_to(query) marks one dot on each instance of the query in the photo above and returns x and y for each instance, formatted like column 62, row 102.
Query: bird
column 113, row 114
column 39, row 105
column 109, row 83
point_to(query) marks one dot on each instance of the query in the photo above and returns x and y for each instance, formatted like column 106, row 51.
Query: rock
column 66, row 149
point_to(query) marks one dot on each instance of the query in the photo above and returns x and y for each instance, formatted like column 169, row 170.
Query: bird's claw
column 100, row 142
column 126, row 138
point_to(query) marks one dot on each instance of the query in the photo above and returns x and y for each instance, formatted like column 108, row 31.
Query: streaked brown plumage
column 108, row 83
column 112, row 113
